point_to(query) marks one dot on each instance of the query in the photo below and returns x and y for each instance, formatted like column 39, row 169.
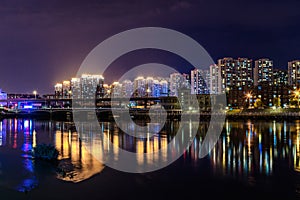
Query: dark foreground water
column 252, row 159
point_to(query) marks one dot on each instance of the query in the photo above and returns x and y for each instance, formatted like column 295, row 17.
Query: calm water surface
column 251, row 159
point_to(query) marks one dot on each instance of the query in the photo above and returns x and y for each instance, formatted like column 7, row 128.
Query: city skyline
column 246, row 83
column 141, row 74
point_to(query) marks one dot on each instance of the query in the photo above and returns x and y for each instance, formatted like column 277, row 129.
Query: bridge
column 62, row 108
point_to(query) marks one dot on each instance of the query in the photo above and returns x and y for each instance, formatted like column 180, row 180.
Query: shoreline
column 67, row 115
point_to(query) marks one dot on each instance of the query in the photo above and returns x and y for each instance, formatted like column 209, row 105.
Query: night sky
column 44, row 42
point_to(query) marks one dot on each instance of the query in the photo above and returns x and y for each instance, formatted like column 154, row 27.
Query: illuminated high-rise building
column 294, row 73
column 149, row 86
column 139, row 87
column 177, row 81
column 164, row 87
column 127, row 88
column 244, row 72
column 187, row 81
column 107, row 90
column 215, row 79
column 66, row 89
column 90, row 85
column 236, row 79
column 263, row 72
column 156, row 88
column 200, row 81
column 76, row 88
column 227, row 71
column 58, row 91
column 235, row 73
column 280, row 77
column 116, row 89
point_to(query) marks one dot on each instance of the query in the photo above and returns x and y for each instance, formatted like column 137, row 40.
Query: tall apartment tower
column 235, row 73
column 200, row 81
column 294, row 73
column 76, row 88
column 244, row 71
column 139, row 86
column 227, row 73
column 280, row 77
column 127, row 88
column 263, row 71
column 58, row 91
column 90, row 84
column 66, row 89
column 176, row 82
column 215, row 79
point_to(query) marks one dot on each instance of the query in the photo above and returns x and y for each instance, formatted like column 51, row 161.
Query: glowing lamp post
column 297, row 95
column 35, row 93
column 70, row 93
column 148, row 92
column 249, row 96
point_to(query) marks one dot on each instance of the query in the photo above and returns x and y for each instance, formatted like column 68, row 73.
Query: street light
column 35, row 93
column 70, row 93
column 297, row 95
column 148, row 92
column 108, row 93
column 249, row 96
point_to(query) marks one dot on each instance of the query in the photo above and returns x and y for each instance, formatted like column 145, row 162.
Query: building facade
column 294, row 73
column 200, row 81
column 235, row 73
column 3, row 96
column 127, row 88
column 280, row 77
column 215, row 79
column 263, row 71
column 58, row 91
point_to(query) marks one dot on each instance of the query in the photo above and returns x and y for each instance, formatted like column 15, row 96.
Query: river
column 251, row 159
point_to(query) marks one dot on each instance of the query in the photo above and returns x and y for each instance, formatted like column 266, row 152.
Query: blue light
column 27, row 106
column 26, row 124
column 259, row 87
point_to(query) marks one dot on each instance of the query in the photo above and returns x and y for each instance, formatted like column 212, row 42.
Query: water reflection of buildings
column 84, row 165
column 248, row 148
column 116, row 139
column 17, row 134
column 20, row 135
column 296, row 147
column 244, row 149
column 23, row 135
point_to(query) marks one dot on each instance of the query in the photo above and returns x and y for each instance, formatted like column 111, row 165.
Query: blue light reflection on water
column 31, row 181
column 244, row 150
column 17, row 134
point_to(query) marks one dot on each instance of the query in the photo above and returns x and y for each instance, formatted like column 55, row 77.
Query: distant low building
column 3, row 97
column 22, row 96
